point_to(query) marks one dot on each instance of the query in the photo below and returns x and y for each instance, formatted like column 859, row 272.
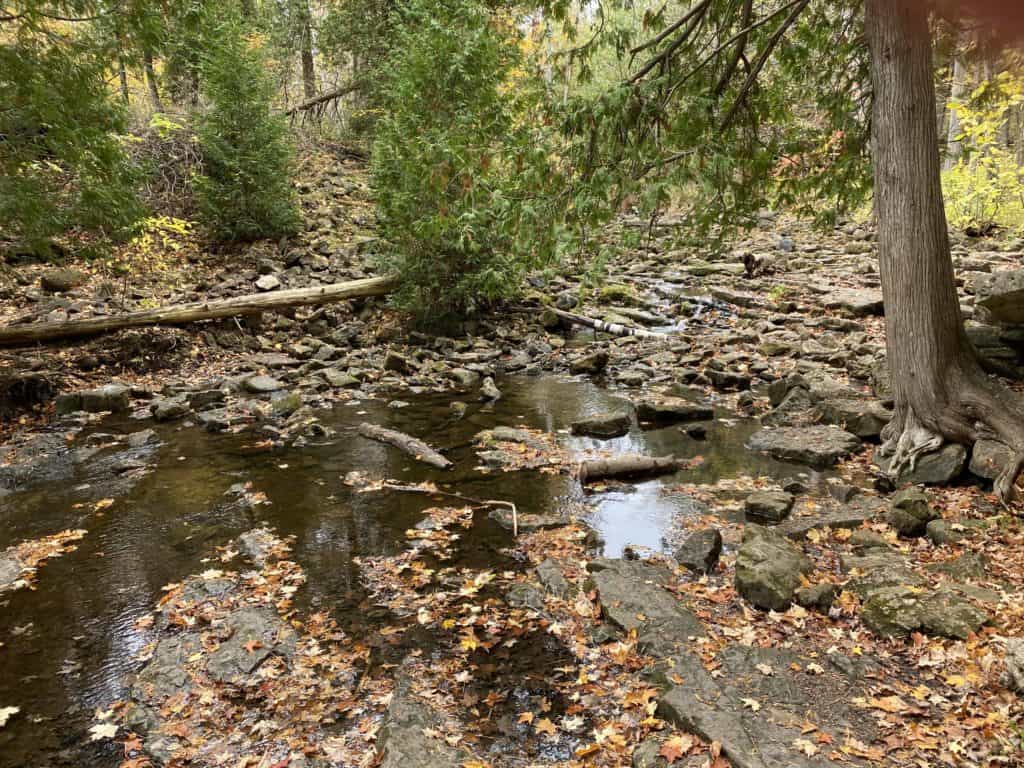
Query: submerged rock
column 409, row 737
column 604, row 425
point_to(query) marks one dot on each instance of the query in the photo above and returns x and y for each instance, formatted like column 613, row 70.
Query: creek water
column 69, row 644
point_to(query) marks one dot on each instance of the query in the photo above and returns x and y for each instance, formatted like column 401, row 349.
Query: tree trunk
column 940, row 391
column 308, row 70
column 956, row 96
column 122, row 74
column 154, row 91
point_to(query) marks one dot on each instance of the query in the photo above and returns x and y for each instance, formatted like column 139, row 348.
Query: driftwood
column 405, row 443
column 179, row 314
column 599, row 325
column 626, row 466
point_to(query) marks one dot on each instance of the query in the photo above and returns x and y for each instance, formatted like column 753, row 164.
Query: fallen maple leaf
column 676, row 747
column 102, row 731
column 544, row 725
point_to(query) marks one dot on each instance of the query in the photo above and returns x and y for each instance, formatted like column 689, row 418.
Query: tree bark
column 151, row 84
column 179, row 314
column 306, row 53
column 956, row 96
column 940, row 390
column 629, row 465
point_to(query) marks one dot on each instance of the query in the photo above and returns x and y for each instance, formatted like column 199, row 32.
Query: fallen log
column 626, row 466
column 178, row 314
column 599, row 325
column 405, row 443
column 323, row 98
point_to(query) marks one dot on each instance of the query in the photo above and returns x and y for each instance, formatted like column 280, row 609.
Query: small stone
column 339, row 379
column 488, row 390
column 865, row 538
column 169, row 409
column 397, row 363
column 62, row 280
column 110, row 397
column 603, row 425
column 268, row 283
column 939, row 533
column 818, row 597
column 591, row 364
column 700, row 551
column 910, row 512
column 259, row 385
column 768, row 506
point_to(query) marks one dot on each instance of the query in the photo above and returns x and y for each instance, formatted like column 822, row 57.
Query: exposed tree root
column 973, row 408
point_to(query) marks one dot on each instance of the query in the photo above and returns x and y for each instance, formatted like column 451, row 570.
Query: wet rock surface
column 768, row 568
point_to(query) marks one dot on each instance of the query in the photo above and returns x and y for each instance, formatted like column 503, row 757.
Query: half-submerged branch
column 405, row 443
column 179, row 314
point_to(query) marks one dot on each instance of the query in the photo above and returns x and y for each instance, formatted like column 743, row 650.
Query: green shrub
column 461, row 161
column 62, row 164
column 245, row 192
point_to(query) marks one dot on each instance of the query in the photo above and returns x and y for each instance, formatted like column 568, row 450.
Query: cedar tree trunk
column 940, row 390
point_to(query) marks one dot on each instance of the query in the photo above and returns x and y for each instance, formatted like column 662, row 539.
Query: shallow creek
column 67, row 646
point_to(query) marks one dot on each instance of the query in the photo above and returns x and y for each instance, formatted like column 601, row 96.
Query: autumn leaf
column 676, row 747
column 751, row 704
column 545, row 726
column 526, row 717
column 6, row 713
column 102, row 731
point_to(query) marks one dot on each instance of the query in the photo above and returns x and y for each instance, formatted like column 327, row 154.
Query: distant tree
column 245, row 192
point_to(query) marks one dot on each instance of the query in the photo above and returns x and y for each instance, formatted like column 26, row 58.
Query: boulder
column 489, row 390
column 816, row 446
column 110, row 397
column 768, row 506
column 857, row 302
column 604, row 425
column 910, row 512
column 899, row 611
column 169, row 408
column 1001, row 294
column 862, row 417
column 700, row 551
column 260, row 385
column 935, row 468
column 989, row 458
column 817, row 597
column 397, row 363
column 62, row 280
column 1015, row 664
column 768, row 568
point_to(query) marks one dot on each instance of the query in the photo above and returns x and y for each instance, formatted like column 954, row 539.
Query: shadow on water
column 68, row 644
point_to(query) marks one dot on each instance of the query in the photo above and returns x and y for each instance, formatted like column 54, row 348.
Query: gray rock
column 795, row 409
column 406, row 738
column 591, row 364
column 110, row 397
column 142, row 437
column 633, row 597
column 817, row 446
column 672, row 410
column 285, row 404
column 169, row 408
column 525, row 596
column 339, row 379
column 899, row 611
column 878, row 569
column 1001, row 294
column 936, row 468
column 552, row 577
column 489, row 391
column 397, row 363
column 989, row 458
column 857, row 302
column 700, row 551
column 206, row 398
column 262, row 630
column 603, row 425
column 10, row 570
column 1015, row 664
column 268, row 283
column 939, row 533
column 768, row 568
column 62, row 280
column 768, row 506
column 464, row 377
column 910, row 512
column 859, row 416
column 818, row 597
column 259, row 385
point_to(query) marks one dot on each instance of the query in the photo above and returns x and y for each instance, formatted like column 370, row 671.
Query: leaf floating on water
column 102, row 731
column 6, row 713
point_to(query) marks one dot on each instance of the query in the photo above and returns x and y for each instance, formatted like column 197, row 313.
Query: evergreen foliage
column 465, row 181
column 245, row 192
column 62, row 164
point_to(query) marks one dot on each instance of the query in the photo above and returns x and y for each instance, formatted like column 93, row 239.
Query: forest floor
column 863, row 627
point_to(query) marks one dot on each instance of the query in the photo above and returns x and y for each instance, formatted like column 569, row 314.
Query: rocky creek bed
column 204, row 561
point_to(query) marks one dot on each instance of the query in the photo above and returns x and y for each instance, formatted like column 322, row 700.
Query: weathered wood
column 405, row 443
column 179, row 314
column 322, row 99
column 599, row 325
column 626, row 466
